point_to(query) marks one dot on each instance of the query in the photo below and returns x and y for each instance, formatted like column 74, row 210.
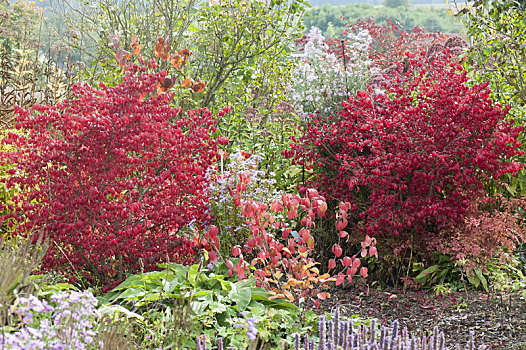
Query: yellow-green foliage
column 5, row 194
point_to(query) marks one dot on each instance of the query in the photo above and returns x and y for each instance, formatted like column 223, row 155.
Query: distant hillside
column 372, row 2
column 332, row 20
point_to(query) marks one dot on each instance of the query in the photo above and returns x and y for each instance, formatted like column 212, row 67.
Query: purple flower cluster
column 251, row 325
column 64, row 323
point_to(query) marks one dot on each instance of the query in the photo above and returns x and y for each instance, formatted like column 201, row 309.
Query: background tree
column 396, row 3
column 497, row 32
column 429, row 18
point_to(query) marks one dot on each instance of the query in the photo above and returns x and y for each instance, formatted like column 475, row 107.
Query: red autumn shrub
column 412, row 159
column 111, row 176
column 494, row 231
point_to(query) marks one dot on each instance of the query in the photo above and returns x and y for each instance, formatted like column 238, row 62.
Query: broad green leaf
column 192, row 274
column 217, row 307
column 114, row 310
column 259, row 294
column 242, row 298
column 131, row 294
column 474, row 280
column 482, row 279
column 425, row 275
column 226, row 285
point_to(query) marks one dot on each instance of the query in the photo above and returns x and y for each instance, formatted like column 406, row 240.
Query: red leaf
column 340, row 279
column 337, row 250
column 332, row 264
column 212, row 231
column 373, row 251
column 356, row 263
column 363, row 272
column 340, row 225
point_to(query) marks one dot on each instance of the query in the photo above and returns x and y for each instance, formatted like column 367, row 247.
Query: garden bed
column 498, row 319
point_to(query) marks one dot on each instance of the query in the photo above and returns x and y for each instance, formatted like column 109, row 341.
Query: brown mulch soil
column 497, row 319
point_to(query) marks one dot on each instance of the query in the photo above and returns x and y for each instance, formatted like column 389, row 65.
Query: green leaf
column 482, row 279
column 216, row 307
column 192, row 274
column 47, row 290
column 242, row 298
column 474, row 280
column 226, row 285
column 259, row 294
column 202, row 293
column 114, row 310
column 132, row 293
column 199, row 307
column 426, row 274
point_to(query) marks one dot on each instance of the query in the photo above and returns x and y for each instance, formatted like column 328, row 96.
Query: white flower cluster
column 321, row 80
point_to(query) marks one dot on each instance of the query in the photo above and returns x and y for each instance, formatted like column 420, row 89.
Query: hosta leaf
column 482, row 279
column 242, row 298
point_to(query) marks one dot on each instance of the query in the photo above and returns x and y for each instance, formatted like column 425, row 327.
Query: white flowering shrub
column 321, row 80
column 241, row 170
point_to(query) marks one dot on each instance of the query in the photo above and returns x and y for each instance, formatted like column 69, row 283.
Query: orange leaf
column 166, row 53
column 164, row 85
column 184, row 52
column 199, row 87
column 159, row 47
column 276, row 296
column 187, row 83
column 322, row 208
column 324, row 276
column 135, row 46
column 323, row 296
column 120, row 55
column 176, row 60
column 289, row 295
